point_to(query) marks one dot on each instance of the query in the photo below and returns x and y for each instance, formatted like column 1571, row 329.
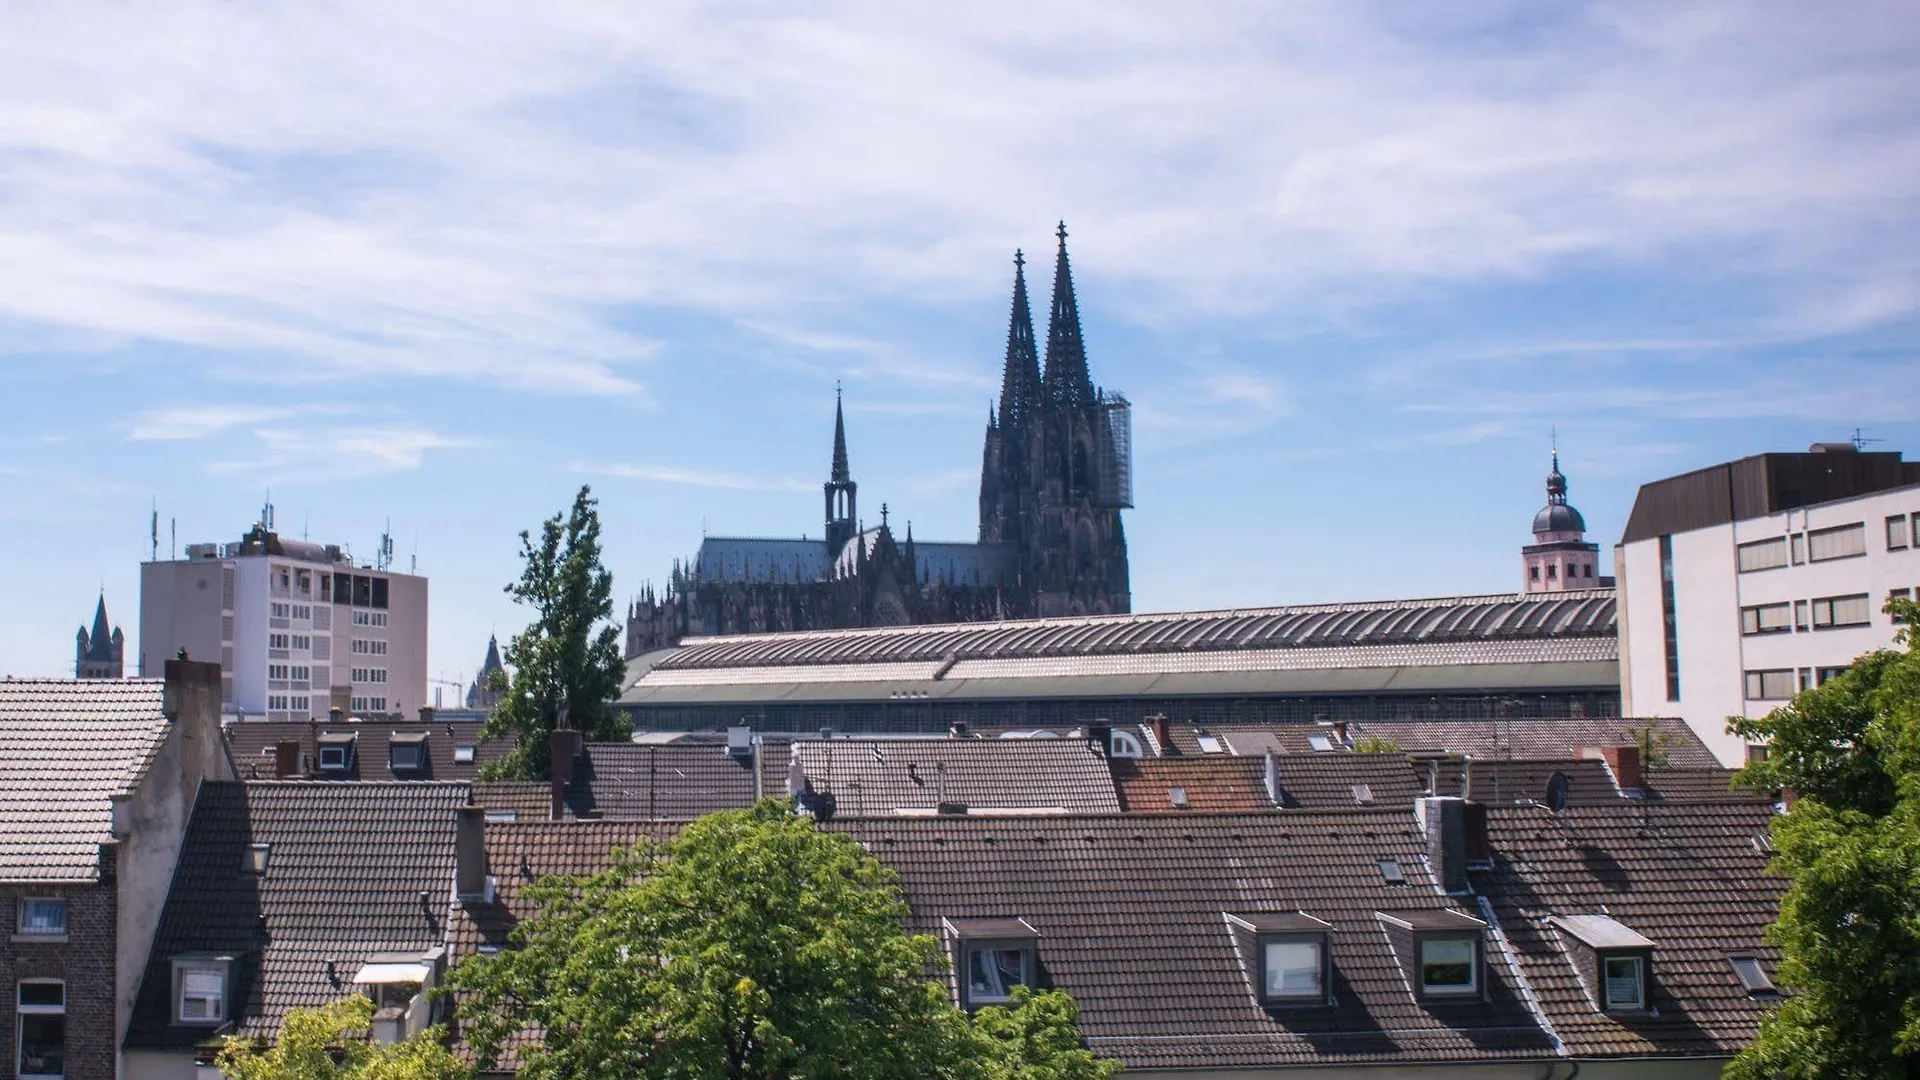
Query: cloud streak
column 708, row 478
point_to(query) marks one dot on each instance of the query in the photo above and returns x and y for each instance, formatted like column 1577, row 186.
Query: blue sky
column 442, row 263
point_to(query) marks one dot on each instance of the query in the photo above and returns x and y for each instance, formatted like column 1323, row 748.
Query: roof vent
column 953, row 809
column 740, row 742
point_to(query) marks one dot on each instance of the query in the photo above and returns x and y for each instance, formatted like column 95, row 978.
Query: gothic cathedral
column 1055, row 474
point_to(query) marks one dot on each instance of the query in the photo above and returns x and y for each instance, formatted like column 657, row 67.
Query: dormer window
column 1125, row 744
column 1290, row 955
column 336, row 752
column 1612, row 960
column 407, row 753
column 993, row 956
column 200, row 989
column 1442, row 952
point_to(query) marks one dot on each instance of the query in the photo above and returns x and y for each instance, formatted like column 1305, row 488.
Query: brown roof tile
column 885, row 776
column 252, row 744
column 1209, row 785
column 1534, row 738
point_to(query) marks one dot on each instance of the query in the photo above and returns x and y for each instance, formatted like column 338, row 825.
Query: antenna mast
column 384, row 560
column 154, row 555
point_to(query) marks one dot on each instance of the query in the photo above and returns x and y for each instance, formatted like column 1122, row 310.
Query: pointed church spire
column 840, row 472
column 1066, row 379
column 1020, row 384
column 101, row 632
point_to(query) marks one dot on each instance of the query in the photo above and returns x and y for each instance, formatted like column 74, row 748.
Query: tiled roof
column 1534, row 738
column 1498, row 783
column 354, row 869
column 1331, row 781
column 530, row 800
column 66, row 747
column 1504, row 616
column 252, row 744
column 885, row 776
column 1209, row 785
column 1131, row 916
column 1706, row 784
column 1688, row 876
column 681, row 779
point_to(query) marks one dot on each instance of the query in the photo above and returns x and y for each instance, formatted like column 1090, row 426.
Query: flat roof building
column 298, row 628
column 1746, row 582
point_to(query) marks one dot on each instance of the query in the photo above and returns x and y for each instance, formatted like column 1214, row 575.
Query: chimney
column 1162, row 733
column 1445, row 820
column 1270, row 776
column 286, row 759
column 563, row 749
column 1101, row 736
column 1466, row 776
column 191, row 690
column 335, row 714
column 1623, row 761
column 1340, row 732
column 426, row 714
column 471, row 882
column 740, row 742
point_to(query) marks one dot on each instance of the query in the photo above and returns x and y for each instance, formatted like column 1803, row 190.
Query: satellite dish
column 1557, row 792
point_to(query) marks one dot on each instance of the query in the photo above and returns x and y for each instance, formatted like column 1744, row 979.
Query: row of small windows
column 284, row 702
column 1823, row 613
column 290, row 641
column 369, row 647
column 369, row 674
column 296, row 672
column 1814, row 546
column 281, row 610
column 1574, row 570
column 363, row 705
column 1779, row 684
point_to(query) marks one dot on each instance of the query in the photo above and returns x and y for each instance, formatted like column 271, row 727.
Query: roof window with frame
column 336, row 751
column 1289, row 956
column 200, row 989
column 463, row 755
column 993, row 956
column 1442, row 952
column 407, row 752
column 1614, row 962
column 1746, row 968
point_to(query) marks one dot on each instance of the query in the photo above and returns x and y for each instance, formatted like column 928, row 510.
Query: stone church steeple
column 1560, row 558
column 841, row 492
column 102, row 652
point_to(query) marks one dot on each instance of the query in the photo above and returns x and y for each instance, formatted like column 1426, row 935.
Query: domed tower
column 1560, row 558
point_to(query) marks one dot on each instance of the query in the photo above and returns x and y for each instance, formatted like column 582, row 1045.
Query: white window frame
column 1316, row 944
column 1470, row 988
column 24, row 929
column 1897, row 533
column 997, row 990
column 182, row 968
column 22, row 1011
column 345, row 750
column 1608, row 982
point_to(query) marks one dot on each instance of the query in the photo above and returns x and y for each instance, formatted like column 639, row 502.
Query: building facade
column 1745, row 583
column 1055, row 474
column 297, row 628
column 100, row 653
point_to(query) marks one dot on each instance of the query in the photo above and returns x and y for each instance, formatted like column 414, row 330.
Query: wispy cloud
column 671, row 474
column 309, row 453
column 183, row 423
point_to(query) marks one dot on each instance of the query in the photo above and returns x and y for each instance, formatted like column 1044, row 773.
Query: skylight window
column 1751, row 975
column 1320, row 742
column 1210, row 744
column 1177, row 795
column 257, row 856
column 503, row 815
column 1363, row 795
column 1390, row 870
column 463, row 755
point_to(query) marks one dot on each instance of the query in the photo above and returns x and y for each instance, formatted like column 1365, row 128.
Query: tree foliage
column 1849, row 928
column 328, row 1044
column 1376, row 744
column 570, row 653
column 752, row 945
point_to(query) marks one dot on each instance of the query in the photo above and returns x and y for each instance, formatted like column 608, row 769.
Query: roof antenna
column 1861, row 442
column 155, row 557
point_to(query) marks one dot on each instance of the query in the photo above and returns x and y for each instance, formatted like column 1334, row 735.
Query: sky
column 433, row 266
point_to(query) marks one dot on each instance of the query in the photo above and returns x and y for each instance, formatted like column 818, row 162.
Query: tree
column 1376, row 744
column 752, row 946
column 569, row 655
column 1849, row 927
column 328, row 1044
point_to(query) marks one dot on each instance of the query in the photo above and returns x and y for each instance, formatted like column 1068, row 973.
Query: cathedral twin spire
column 1024, row 390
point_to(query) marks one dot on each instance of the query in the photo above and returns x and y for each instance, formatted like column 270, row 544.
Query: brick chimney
column 564, row 746
column 286, row 759
column 1162, row 733
column 1444, row 819
column 472, row 884
column 1623, row 761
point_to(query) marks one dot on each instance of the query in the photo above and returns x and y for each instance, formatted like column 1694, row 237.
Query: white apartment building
column 1742, row 584
column 298, row 628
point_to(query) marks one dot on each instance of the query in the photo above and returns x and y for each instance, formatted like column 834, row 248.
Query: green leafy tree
column 570, row 654
column 1849, row 926
column 1376, row 744
column 751, row 947
column 1655, row 746
column 329, row 1043
column 1036, row 1037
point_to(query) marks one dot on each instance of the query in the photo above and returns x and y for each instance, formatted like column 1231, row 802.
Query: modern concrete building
column 298, row 628
column 1745, row 583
